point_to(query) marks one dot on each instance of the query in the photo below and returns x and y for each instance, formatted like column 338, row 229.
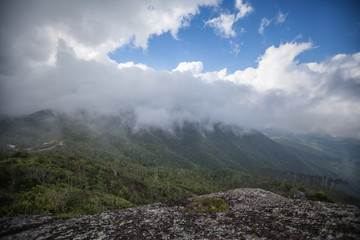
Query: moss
column 208, row 205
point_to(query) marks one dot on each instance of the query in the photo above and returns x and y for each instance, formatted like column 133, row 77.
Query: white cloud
column 211, row 77
column 223, row 24
column 91, row 28
column 193, row 67
column 243, row 8
column 277, row 70
column 279, row 92
column 305, row 97
column 263, row 24
column 132, row 64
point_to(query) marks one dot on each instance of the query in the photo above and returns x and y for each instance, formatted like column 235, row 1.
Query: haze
column 61, row 55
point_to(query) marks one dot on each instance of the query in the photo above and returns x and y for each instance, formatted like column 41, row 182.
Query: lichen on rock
column 251, row 214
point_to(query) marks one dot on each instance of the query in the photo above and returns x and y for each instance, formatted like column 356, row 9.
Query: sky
column 291, row 65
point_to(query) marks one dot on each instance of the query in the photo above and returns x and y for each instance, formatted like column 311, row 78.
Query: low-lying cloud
column 279, row 93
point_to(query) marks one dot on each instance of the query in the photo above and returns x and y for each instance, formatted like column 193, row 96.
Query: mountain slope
column 340, row 155
column 52, row 162
column 184, row 145
column 220, row 146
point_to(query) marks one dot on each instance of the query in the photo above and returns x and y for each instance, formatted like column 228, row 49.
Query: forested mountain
column 342, row 155
column 321, row 144
column 54, row 162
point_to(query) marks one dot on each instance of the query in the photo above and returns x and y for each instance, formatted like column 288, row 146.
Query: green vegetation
column 342, row 155
column 108, row 166
column 208, row 205
column 48, row 182
column 53, row 183
column 320, row 196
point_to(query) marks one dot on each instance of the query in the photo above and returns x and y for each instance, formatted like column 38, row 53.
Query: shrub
column 320, row 196
column 208, row 205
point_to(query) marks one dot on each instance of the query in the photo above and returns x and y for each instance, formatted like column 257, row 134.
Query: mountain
column 230, row 147
column 211, row 147
column 342, row 154
column 321, row 144
column 236, row 214
column 54, row 162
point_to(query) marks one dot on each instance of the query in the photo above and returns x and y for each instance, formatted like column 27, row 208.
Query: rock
column 252, row 214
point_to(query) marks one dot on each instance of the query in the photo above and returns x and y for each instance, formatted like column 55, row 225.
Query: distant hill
column 321, row 144
column 344, row 152
column 213, row 147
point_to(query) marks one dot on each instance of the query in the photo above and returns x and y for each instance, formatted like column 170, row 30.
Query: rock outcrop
column 252, row 214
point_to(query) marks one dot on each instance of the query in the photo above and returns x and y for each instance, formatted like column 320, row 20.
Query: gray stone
column 253, row 214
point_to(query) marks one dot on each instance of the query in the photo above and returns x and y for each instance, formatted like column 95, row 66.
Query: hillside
column 236, row 214
column 53, row 163
column 321, row 144
column 211, row 146
column 344, row 152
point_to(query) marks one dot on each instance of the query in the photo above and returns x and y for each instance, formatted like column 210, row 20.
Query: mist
column 47, row 63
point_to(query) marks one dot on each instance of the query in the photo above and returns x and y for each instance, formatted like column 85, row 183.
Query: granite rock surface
column 252, row 214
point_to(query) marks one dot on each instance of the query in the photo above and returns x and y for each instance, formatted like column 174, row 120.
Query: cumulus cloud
column 277, row 69
column 91, row 28
column 211, row 77
column 132, row 64
column 305, row 97
column 279, row 92
column 223, row 24
column 194, row 67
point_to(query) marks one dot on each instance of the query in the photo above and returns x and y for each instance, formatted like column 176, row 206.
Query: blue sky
column 332, row 25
